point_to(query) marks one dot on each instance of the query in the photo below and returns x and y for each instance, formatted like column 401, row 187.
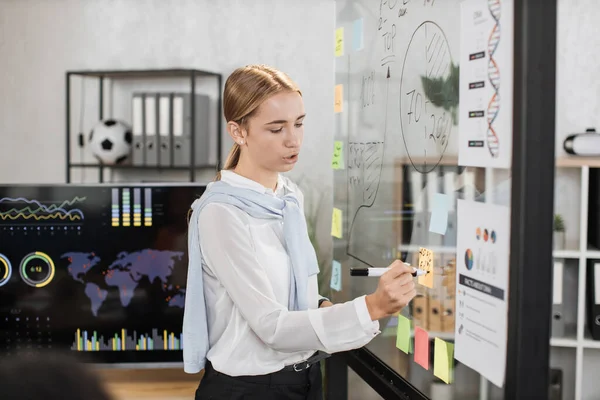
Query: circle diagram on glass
column 37, row 269
column 5, row 270
column 428, row 96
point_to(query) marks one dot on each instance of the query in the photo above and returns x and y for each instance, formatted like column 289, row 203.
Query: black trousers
column 281, row 385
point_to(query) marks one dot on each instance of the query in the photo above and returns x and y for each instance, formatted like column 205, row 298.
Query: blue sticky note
column 357, row 35
column 439, row 213
column 336, row 276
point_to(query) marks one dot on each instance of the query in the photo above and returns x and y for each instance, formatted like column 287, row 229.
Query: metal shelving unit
column 101, row 75
column 577, row 337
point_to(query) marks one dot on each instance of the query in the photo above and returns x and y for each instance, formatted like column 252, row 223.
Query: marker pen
column 381, row 271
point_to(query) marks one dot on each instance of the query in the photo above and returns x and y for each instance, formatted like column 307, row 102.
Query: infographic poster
column 482, row 273
column 486, row 83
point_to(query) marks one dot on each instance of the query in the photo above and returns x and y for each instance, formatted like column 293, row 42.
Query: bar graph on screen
column 123, row 213
column 123, row 341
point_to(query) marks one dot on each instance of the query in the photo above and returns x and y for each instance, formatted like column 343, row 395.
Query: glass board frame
column 533, row 160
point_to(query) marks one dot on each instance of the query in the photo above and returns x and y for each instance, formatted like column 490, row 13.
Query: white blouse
column 246, row 287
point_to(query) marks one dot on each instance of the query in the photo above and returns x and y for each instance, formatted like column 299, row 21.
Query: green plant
column 444, row 92
column 559, row 223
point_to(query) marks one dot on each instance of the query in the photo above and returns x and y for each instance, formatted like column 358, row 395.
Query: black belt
column 303, row 365
column 281, row 377
column 298, row 373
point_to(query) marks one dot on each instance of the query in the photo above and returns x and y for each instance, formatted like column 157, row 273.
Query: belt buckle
column 305, row 366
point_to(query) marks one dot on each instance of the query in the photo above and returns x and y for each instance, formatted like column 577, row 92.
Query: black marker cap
column 359, row 272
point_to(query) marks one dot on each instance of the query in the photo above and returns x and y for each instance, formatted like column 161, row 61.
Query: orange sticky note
column 443, row 360
column 403, row 334
column 426, row 264
column 338, row 103
column 422, row 347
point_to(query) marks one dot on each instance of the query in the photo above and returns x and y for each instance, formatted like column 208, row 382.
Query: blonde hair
column 245, row 90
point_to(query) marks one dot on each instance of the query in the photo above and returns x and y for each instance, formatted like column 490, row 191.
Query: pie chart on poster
column 469, row 259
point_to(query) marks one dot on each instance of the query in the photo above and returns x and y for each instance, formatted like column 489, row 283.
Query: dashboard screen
column 97, row 270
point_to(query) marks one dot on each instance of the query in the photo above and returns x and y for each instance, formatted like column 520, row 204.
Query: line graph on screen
column 17, row 210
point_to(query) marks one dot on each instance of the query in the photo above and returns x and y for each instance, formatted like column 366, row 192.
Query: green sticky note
column 443, row 360
column 403, row 339
column 337, row 161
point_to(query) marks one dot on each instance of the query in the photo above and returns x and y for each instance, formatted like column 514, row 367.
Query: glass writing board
column 401, row 193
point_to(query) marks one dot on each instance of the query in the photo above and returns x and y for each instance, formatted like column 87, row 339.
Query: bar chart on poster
column 404, row 84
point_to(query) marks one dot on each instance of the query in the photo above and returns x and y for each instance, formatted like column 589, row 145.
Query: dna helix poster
column 486, row 83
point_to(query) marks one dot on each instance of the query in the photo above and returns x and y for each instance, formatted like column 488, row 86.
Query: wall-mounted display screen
column 98, row 270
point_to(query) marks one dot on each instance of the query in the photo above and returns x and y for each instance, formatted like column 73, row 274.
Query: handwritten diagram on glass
column 402, row 104
column 428, row 99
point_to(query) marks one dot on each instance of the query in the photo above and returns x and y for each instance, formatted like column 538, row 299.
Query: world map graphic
column 125, row 273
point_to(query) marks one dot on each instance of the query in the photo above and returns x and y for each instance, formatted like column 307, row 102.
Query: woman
column 253, row 315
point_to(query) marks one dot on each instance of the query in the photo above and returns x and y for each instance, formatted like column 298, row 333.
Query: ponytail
column 233, row 158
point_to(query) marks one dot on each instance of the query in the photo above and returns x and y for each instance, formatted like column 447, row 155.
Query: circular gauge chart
column 37, row 269
column 428, row 96
column 5, row 270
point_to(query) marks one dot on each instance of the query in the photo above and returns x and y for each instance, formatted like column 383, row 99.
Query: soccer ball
column 110, row 141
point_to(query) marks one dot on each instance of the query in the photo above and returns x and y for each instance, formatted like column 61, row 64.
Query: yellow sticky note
column 403, row 339
column 337, row 161
column 443, row 360
column 426, row 264
column 336, row 223
column 339, row 42
column 338, row 99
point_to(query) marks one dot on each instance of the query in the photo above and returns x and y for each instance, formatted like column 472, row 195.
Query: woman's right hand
column 395, row 290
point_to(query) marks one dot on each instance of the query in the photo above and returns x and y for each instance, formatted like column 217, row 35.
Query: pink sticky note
column 422, row 347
